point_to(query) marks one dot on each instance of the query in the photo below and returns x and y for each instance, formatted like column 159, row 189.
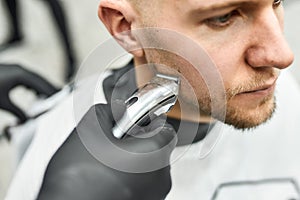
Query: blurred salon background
column 46, row 27
column 41, row 48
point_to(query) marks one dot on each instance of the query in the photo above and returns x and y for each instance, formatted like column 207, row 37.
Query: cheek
column 193, row 86
column 193, row 83
column 230, row 66
column 227, row 49
column 229, row 58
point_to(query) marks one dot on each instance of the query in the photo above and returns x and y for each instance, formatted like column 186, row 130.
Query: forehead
column 209, row 4
column 156, row 12
column 175, row 9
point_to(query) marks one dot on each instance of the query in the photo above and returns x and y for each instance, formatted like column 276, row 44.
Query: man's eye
column 221, row 21
column 277, row 3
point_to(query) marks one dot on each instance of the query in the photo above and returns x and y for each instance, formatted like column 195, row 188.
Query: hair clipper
column 153, row 99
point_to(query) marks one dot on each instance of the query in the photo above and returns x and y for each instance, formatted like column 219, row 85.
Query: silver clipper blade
column 155, row 98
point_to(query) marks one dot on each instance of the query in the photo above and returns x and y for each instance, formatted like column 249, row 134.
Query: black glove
column 11, row 76
column 87, row 166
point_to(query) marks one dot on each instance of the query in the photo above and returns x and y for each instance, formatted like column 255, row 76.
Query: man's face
column 244, row 38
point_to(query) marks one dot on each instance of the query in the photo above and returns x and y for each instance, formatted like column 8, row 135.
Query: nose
column 268, row 46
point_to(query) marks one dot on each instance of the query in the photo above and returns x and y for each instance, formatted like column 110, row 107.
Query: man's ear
column 118, row 17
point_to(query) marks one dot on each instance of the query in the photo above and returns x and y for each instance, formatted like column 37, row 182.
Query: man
column 245, row 42
column 257, row 44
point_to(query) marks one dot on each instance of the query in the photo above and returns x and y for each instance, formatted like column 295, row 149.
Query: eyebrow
column 218, row 6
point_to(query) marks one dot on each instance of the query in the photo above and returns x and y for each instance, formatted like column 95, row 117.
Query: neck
column 144, row 74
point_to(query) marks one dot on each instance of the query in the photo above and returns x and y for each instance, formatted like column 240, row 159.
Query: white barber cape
column 262, row 164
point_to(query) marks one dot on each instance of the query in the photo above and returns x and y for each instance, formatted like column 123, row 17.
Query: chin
column 246, row 119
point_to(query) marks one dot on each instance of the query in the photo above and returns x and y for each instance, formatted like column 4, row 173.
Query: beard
column 239, row 116
column 242, row 113
column 242, row 119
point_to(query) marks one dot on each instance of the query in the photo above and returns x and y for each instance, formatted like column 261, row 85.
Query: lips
column 263, row 88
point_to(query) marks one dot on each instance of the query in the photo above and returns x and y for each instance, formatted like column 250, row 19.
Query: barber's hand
column 92, row 164
column 13, row 75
